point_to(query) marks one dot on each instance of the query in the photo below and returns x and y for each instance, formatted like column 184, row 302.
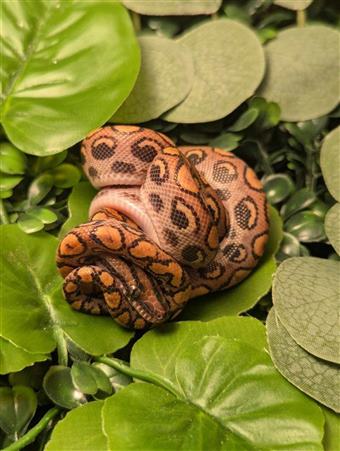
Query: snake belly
column 168, row 224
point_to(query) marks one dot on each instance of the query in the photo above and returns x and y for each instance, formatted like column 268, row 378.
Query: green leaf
column 164, row 80
column 45, row 215
column 332, row 226
column 227, row 395
column 226, row 141
column 81, row 429
column 116, row 379
column 158, row 349
column 245, row 295
column 233, row 68
column 42, row 164
column 17, row 408
column 12, row 161
column 13, row 358
column 83, row 378
column 306, row 226
column 39, row 188
column 37, row 315
column 306, row 296
column 293, row 4
column 278, row 187
column 173, row 7
column 298, row 201
column 30, row 224
column 67, row 66
column 78, row 206
column 303, row 69
column 245, row 120
column 8, row 182
column 66, row 175
column 330, row 162
column 58, row 385
column 290, row 247
column 316, row 377
column 331, row 438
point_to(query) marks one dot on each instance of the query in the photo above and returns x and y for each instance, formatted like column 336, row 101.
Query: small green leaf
column 12, row 160
column 191, row 137
column 306, row 297
column 173, row 8
column 8, row 182
column 58, row 386
column 30, row 224
column 290, row 247
column 66, row 175
column 306, row 226
column 103, row 381
column 300, row 200
column 78, row 206
column 278, row 187
column 245, row 120
column 31, row 376
column 303, row 72
column 17, row 408
column 330, row 162
column 42, row 164
column 83, row 378
column 332, row 226
column 226, row 141
column 114, row 378
column 164, row 80
column 45, row 215
column 316, row 377
column 6, row 194
column 232, row 70
column 39, row 188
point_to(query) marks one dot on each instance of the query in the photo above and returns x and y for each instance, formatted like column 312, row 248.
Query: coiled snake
column 167, row 225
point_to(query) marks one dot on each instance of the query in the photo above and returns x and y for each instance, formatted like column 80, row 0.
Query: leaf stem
column 3, row 213
column 119, row 365
column 61, row 347
column 300, row 17
column 265, row 159
column 31, row 435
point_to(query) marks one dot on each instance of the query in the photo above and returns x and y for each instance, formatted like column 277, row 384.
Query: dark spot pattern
column 170, row 237
column 246, row 213
column 146, row 149
column 192, row 253
column 156, row 202
column 224, row 171
column 93, row 172
column 159, row 172
column 103, row 148
column 122, row 167
column 236, row 253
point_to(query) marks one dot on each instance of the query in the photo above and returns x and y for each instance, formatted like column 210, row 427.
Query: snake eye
column 135, row 292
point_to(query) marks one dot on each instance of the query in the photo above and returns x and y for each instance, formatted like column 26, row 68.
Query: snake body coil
column 167, row 225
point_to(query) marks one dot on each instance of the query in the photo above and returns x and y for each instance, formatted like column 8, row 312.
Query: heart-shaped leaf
column 37, row 316
column 330, row 162
column 174, row 7
column 17, row 408
column 303, row 72
column 306, row 296
column 59, row 387
column 164, row 80
column 229, row 65
column 316, row 377
column 67, row 66
column 332, row 226
column 246, row 294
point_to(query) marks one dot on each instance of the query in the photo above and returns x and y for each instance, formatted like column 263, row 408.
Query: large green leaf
column 316, row 377
column 13, row 358
column 66, row 67
column 173, row 7
column 164, row 80
column 330, row 162
column 217, row 393
column 78, row 206
column 81, row 429
column 306, row 295
column 34, row 315
column 243, row 296
column 303, row 72
column 332, row 226
column 229, row 65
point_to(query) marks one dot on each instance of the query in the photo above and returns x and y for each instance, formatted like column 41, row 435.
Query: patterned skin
column 167, row 225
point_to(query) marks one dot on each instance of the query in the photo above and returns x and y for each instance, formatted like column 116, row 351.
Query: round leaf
column 298, row 201
column 303, row 72
column 245, row 120
column 332, row 226
column 173, row 7
column 316, row 377
column 83, row 378
column 12, row 161
column 164, row 80
column 8, row 182
column 290, row 247
column 306, row 226
column 306, row 296
column 17, row 408
column 37, row 312
column 295, row 5
column 278, row 187
column 45, row 215
column 66, row 175
column 246, row 294
column 330, row 162
column 228, row 64
column 13, row 358
column 30, row 224
column 228, row 395
column 58, row 386
column 67, row 66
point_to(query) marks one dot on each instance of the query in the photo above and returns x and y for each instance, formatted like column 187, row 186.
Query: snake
column 168, row 224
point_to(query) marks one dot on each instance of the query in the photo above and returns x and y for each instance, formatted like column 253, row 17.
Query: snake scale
column 168, row 224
